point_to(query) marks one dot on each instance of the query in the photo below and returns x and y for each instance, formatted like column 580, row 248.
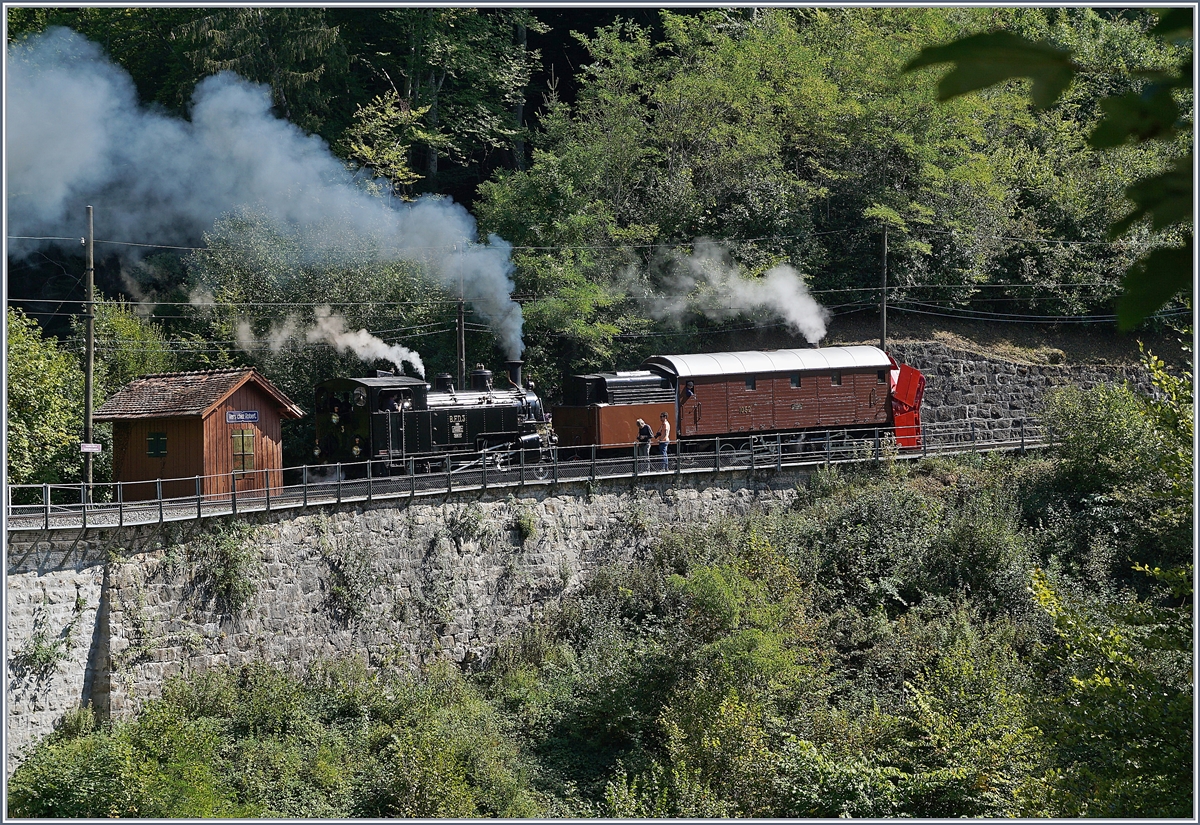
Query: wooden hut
column 222, row 426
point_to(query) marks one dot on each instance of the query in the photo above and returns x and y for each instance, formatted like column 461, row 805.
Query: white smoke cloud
column 709, row 283
column 77, row 135
column 330, row 328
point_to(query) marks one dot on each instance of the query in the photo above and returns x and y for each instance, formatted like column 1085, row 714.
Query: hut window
column 243, row 450
column 751, row 382
column 156, row 445
column 881, row 377
column 795, row 379
column 835, row 379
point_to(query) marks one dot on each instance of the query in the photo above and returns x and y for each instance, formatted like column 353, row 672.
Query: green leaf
column 1167, row 198
column 1153, row 281
column 1140, row 117
column 983, row 60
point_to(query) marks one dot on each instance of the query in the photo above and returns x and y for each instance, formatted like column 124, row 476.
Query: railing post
column 268, row 487
column 483, row 457
column 1022, row 423
column 83, row 503
column 717, row 452
column 120, row 505
column 876, row 443
column 636, row 448
column 972, row 435
column 45, row 502
column 338, row 470
column 412, row 477
column 924, row 444
column 304, row 486
column 521, row 462
column 554, row 458
column 233, row 492
column 678, row 457
column 753, row 466
column 199, row 500
column 593, row 470
column 158, row 490
column 369, row 479
column 778, row 452
column 449, row 475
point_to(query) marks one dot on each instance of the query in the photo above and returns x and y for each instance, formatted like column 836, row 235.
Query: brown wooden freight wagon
column 726, row 393
column 222, row 426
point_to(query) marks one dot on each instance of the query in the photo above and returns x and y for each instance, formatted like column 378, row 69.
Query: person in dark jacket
column 644, row 436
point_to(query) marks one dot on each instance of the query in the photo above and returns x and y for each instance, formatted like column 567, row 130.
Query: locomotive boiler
column 797, row 395
column 391, row 419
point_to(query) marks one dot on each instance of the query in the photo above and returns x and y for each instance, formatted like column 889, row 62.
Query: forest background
column 643, row 165
column 988, row 637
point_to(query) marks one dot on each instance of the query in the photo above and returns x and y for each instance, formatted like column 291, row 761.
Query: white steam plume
column 709, row 283
column 77, row 135
column 330, row 328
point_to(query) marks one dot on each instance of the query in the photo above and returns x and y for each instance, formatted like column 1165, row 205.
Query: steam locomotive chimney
column 514, row 372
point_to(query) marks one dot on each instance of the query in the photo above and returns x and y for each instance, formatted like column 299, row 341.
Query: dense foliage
column 786, row 136
column 991, row 636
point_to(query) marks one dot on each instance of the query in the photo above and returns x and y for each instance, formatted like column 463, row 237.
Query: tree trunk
column 518, row 149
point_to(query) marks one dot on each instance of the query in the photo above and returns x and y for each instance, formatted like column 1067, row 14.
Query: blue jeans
column 663, row 450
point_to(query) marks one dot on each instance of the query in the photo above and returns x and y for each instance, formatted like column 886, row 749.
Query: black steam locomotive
column 401, row 424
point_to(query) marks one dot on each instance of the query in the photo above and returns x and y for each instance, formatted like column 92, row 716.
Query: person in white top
column 664, row 440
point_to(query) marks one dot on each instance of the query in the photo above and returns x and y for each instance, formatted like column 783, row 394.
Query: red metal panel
column 709, row 415
column 750, row 410
column 618, row 422
column 835, row 402
column 871, row 397
column 795, row 407
column 906, row 407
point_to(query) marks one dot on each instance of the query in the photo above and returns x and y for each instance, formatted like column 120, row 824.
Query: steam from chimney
column 709, row 283
column 77, row 135
column 329, row 328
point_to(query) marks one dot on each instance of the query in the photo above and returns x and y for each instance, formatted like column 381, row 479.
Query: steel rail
column 110, row 506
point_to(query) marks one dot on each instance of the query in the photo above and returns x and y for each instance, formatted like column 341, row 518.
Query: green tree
column 45, row 406
column 1158, row 111
column 294, row 50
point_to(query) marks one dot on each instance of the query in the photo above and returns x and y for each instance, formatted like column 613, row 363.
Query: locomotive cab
column 391, row 419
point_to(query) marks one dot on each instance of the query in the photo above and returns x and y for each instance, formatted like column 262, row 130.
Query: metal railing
column 47, row 506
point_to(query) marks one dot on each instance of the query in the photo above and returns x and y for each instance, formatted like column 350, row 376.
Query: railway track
column 50, row 507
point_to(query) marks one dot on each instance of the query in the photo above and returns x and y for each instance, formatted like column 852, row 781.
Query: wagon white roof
column 777, row 360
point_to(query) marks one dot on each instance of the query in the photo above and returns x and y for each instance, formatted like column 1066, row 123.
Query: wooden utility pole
column 462, row 328
column 90, row 308
column 462, row 343
column 883, row 295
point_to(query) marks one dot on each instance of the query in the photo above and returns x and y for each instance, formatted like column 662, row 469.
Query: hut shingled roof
column 186, row 394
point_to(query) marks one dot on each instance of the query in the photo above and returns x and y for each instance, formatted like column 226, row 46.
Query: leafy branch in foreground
column 984, row 60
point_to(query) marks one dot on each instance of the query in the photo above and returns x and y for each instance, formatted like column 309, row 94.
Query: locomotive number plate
column 797, row 406
column 458, row 426
column 744, row 410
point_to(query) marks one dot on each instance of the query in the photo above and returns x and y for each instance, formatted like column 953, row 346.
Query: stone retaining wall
column 403, row 582
column 997, row 395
